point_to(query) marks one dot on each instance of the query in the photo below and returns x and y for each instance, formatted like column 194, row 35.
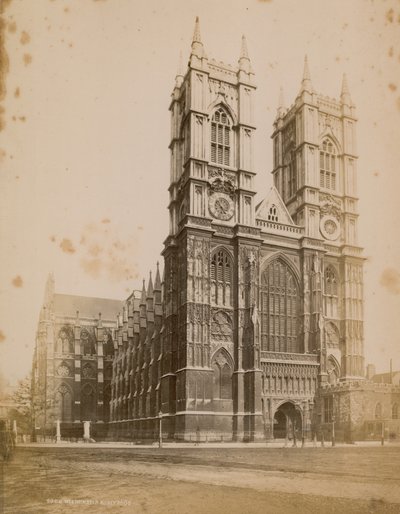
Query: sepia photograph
column 199, row 238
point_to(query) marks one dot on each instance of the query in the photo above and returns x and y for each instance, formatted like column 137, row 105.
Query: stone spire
column 244, row 60
column 150, row 287
column 244, row 53
column 306, row 84
column 143, row 306
column 345, row 94
column 180, row 72
column 157, row 283
column 157, row 287
column 143, row 296
column 197, row 45
column 49, row 291
column 281, row 103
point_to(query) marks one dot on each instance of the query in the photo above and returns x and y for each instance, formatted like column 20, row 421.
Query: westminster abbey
column 255, row 329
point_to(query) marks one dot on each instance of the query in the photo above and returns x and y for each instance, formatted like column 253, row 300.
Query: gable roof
column 88, row 307
column 279, row 215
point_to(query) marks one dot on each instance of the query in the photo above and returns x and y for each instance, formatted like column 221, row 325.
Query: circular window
column 330, row 228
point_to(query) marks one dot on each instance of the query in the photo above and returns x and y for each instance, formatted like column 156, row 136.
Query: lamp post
column 160, row 430
column 294, row 426
column 333, row 420
column 382, row 433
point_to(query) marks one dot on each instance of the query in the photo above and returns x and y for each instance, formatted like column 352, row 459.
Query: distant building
column 72, row 365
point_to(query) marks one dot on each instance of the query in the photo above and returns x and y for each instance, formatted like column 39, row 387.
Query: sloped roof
column 88, row 307
column 272, row 199
column 387, row 378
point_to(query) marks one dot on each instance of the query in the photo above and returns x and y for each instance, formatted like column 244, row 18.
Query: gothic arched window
column 328, row 165
column 395, row 411
column 108, row 345
column 221, row 278
column 220, row 138
column 88, row 343
column 64, row 401
column 88, row 403
column 378, row 411
column 222, row 376
column 280, row 300
column 65, row 341
column 331, row 292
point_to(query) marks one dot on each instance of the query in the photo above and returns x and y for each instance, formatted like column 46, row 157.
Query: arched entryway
column 287, row 422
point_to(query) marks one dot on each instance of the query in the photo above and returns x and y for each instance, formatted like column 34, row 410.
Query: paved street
column 195, row 480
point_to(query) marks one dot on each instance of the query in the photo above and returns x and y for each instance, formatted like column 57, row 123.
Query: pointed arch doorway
column 287, row 422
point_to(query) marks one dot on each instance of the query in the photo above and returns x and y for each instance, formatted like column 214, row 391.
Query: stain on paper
column 17, row 281
column 25, row 38
column 67, row 246
column 390, row 280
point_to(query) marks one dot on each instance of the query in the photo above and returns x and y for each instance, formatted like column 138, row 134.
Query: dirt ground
column 202, row 480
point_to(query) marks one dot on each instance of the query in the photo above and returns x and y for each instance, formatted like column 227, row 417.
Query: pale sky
column 84, row 153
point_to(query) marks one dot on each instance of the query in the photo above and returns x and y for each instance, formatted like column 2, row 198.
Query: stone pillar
column 14, row 431
column 58, row 431
column 86, row 430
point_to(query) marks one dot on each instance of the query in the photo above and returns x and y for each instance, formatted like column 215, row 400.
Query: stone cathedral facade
column 261, row 304
column 255, row 330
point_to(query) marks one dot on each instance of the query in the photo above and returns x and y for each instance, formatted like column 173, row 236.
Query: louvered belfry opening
column 220, row 138
column 221, row 279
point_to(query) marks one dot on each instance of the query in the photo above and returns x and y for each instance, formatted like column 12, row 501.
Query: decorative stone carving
column 221, row 327
column 221, row 181
column 88, row 371
column 63, row 370
column 331, row 335
column 330, row 206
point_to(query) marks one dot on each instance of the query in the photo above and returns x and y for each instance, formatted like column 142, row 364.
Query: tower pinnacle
column 197, row 45
column 49, row 290
column 157, row 283
column 143, row 296
column 345, row 94
column 150, row 286
column 281, row 104
column 244, row 60
column 179, row 72
column 244, row 53
column 306, row 84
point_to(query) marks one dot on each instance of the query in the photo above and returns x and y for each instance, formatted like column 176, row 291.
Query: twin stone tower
column 255, row 330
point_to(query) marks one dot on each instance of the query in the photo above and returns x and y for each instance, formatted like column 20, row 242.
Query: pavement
column 221, row 478
column 172, row 444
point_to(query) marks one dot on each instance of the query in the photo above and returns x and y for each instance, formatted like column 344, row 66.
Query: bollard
column 58, row 431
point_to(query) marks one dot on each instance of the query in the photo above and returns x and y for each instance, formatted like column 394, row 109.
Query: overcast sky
column 84, row 152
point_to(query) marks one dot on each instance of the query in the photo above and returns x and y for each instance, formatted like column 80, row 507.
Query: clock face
column 221, row 206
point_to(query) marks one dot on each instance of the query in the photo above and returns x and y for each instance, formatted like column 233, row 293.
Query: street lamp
column 160, row 430
column 333, row 420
